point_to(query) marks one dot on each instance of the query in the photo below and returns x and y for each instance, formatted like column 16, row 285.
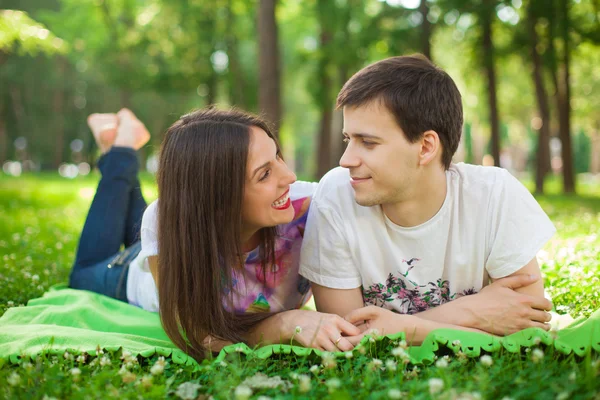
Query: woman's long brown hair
column 201, row 178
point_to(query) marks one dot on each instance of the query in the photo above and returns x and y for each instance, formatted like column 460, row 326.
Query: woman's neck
column 250, row 241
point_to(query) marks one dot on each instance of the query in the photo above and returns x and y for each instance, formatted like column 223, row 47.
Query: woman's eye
column 265, row 175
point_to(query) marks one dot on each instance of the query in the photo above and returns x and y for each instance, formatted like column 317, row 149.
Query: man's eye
column 368, row 144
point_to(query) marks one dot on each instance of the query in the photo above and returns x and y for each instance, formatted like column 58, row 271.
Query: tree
column 486, row 16
column 543, row 147
column 269, row 96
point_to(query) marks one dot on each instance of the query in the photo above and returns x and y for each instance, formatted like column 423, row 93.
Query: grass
column 40, row 220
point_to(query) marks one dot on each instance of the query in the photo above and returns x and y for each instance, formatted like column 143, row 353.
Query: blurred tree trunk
column 237, row 83
column 269, row 92
column 324, row 100
column 564, row 112
column 559, row 72
column 58, row 110
column 543, row 150
column 487, row 15
column 3, row 137
column 425, row 29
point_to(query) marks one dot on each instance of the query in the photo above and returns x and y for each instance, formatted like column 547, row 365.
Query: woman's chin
column 283, row 216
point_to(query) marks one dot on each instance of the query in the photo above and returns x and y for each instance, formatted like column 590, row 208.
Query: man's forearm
column 416, row 329
column 454, row 312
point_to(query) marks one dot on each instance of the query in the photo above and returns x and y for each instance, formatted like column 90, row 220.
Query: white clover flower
column 27, row 365
column 262, row 381
column 298, row 330
column 104, row 361
column 68, row 356
column 239, row 349
column 537, row 340
column 361, row 350
column 187, row 390
column 399, row 352
column 348, row 355
column 14, row 379
column 394, row 394
column 128, row 377
column 304, row 384
column 537, row 355
column 435, row 385
column 328, row 360
column 441, row 363
column 10, row 303
column 242, row 393
column 75, row 373
column 486, row 360
column 46, row 397
column 35, row 278
column 456, row 343
column 81, row 358
column 563, row 396
column 391, row 365
column 376, row 364
column 371, row 339
column 315, row 369
column 294, row 375
column 263, row 398
column 146, row 381
column 333, row 384
column 157, row 369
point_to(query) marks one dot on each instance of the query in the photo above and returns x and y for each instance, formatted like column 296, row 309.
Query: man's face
column 383, row 165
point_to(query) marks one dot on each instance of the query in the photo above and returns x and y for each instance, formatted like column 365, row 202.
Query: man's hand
column 374, row 319
column 500, row 310
column 384, row 322
column 318, row 330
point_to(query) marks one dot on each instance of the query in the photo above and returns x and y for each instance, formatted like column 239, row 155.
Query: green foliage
column 21, row 34
column 582, row 151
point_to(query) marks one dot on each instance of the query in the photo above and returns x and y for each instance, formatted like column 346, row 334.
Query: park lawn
column 41, row 217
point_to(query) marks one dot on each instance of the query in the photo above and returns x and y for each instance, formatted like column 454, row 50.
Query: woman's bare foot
column 104, row 128
column 131, row 132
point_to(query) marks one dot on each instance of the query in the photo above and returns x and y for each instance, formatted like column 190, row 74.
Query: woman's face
column 268, row 179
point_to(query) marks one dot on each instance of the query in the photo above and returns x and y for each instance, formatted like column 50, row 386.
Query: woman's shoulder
column 150, row 218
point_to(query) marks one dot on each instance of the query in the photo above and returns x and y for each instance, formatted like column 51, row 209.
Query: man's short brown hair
column 420, row 95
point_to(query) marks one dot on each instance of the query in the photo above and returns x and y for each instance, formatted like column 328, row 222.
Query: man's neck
column 424, row 203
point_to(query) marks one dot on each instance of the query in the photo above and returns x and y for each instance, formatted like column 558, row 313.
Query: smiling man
column 399, row 227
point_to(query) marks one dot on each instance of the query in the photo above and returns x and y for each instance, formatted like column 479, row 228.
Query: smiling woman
column 219, row 249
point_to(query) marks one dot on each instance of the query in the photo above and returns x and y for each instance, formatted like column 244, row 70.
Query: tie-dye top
column 280, row 287
column 283, row 288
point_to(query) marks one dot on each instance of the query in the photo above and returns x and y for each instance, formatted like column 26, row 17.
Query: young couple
column 397, row 239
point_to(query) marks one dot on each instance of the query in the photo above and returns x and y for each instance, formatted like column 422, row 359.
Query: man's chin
column 365, row 202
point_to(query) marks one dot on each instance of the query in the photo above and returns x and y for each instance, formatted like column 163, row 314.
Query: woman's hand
column 321, row 331
column 374, row 319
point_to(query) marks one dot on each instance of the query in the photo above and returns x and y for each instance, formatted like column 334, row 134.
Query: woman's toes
column 104, row 129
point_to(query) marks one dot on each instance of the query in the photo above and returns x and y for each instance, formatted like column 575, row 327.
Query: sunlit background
column 529, row 73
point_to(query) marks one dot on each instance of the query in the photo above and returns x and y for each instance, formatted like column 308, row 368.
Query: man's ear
column 431, row 147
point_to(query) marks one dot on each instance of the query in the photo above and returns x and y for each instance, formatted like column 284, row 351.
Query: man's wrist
column 463, row 314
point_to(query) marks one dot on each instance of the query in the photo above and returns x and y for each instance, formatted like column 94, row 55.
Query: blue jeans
column 114, row 219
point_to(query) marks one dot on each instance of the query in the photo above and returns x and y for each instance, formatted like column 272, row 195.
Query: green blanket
column 81, row 321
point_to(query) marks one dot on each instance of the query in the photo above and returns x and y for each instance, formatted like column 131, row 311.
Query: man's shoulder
column 478, row 176
column 334, row 186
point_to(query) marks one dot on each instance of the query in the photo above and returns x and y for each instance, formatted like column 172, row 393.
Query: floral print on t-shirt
column 280, row 287
column 414, row 298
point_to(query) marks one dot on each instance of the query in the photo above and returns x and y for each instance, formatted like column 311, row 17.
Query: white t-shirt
column 488, row 226
column 141, row 289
